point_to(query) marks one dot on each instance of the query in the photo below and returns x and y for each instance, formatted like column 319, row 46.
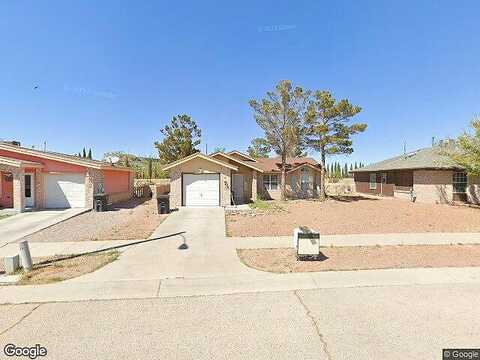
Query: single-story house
column 222, row 179
column 42, row 179
column 429, row 173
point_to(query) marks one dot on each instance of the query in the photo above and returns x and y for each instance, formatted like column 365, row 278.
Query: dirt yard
column 363, row 258
column 356, row 215
column 59, row 268
column 127, row 221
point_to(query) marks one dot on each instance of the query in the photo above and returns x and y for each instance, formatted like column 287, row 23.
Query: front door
column 29, row 190
column 238, row 189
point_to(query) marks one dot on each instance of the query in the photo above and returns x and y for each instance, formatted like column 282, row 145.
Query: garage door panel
column 201, row 189
column 65, row 190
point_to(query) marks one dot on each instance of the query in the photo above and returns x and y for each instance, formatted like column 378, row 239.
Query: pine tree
column 84, row 153
column 89, row 154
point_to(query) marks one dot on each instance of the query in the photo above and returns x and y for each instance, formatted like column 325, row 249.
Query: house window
column 270, row 182
column 373, row 181
column 460, row 182
column 305, row 179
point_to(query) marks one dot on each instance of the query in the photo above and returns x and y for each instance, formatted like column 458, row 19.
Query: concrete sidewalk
column 361, row 240
column 210, row 266
column 43, row 249
column 18, row 226
column 252, row 283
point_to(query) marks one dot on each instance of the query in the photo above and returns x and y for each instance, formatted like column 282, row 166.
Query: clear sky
column 110, row 74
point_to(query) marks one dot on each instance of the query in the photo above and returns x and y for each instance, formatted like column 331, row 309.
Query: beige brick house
column 222, row 179
column 428, row 173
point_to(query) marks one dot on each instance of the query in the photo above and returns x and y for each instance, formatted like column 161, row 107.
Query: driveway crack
column 315, row 324
column 20, row 320
column 159, row 286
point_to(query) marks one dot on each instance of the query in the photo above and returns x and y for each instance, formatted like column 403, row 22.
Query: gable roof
column 250, row 164
column 274, row 164
column 245, row 156
column 303, row 165
column 427, row 158
column 201, row 156
column 70, row 159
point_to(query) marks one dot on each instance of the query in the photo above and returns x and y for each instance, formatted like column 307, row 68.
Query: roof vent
column 12, row 142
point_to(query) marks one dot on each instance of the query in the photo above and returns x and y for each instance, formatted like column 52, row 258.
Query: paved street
column 413, row 322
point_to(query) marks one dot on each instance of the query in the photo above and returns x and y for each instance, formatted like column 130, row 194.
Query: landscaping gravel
column 363, row 258
column 127, row 221
column 356, row 215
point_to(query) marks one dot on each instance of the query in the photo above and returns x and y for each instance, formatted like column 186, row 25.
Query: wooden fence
column 142, row 191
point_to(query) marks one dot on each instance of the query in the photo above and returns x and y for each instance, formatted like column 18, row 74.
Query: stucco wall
column 433, row 186
column 193, row 166
column 116, row 181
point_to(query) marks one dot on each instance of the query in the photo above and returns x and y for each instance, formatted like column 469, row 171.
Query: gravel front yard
column 356, row 215
column 127, row 221
column 363, row 258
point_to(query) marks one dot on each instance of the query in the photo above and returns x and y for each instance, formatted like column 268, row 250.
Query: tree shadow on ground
column 351, row 198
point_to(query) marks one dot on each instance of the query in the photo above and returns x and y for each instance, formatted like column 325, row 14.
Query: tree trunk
column 323, row 194
column 284, row 181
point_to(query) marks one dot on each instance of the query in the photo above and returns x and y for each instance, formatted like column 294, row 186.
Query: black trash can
column 100, row 202
column 163, row 203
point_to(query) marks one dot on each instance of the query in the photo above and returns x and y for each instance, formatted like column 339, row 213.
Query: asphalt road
column 413, row 322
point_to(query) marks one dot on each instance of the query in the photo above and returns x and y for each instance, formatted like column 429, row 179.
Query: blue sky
column 110, row 74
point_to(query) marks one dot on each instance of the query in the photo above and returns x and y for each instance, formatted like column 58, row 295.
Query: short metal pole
column 25, row 255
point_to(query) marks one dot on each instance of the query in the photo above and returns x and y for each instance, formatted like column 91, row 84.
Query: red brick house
column 42, row 179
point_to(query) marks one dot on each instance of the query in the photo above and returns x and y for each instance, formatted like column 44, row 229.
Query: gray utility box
column 307, row 242
column 12, row 264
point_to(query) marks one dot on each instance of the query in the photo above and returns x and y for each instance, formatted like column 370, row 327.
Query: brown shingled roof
column 275, row 164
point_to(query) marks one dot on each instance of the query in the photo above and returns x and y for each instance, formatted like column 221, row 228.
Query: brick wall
column 198, row 166
column 433, row 186
column 93, row 184
column 473, row 190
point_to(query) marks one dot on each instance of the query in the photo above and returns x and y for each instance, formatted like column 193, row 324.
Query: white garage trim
column 66, row 190
column 201, row 189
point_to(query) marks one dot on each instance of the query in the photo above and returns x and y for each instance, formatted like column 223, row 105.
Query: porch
column 244, row 186
column 20, row 184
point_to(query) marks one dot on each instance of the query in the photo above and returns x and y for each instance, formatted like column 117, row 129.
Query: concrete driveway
column 18, row 226
column 209, row 253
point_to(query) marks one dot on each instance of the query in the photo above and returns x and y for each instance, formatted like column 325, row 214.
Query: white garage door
column 65, row 190
column 201, row 190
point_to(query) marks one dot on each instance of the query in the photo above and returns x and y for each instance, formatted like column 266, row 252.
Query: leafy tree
column 219, row 149
column 124, row 159
column 281, row 115
column 180, row 139
column 89, row 154
column 329, row 131
column 466, row 152
column 259, row 148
